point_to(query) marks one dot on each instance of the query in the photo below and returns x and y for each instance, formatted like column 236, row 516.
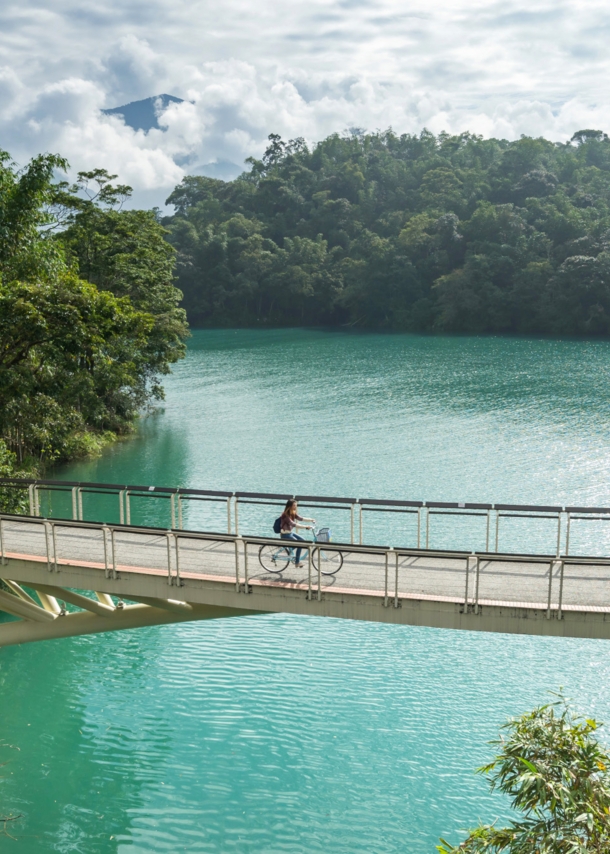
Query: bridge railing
column 488, row 528
column 474, row 580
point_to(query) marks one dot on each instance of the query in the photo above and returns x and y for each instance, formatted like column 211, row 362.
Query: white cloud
column 130, row 66
column 307, row 68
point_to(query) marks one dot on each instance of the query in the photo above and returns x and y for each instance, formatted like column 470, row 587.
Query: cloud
column 129, row 67
column 308, row 68
column 65, row 118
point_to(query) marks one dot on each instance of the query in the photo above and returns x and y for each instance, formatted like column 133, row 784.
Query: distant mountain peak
column 143, row 115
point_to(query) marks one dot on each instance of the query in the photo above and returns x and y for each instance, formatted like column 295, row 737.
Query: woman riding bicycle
column 289, row 521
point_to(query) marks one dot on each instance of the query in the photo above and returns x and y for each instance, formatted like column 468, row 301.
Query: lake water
column 286, row 734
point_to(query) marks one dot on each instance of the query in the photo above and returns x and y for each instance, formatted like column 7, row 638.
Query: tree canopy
column 89, row 319
column 410, row 232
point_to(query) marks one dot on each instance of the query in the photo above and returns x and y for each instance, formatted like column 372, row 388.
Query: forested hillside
column 448, row 233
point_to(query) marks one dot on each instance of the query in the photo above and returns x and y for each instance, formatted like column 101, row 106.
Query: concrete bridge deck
column 178, row 575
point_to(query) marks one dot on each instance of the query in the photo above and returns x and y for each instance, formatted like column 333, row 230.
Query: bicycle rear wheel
column 274, row 558
column 330, row 562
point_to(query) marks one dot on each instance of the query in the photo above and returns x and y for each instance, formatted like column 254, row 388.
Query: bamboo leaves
column 556, row 775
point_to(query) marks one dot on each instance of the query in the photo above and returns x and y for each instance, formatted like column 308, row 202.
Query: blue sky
column 300, row 68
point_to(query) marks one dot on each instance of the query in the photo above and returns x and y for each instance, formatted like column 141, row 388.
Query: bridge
column 84, row 558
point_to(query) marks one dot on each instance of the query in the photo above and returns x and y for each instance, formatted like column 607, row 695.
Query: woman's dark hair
column 291, row 508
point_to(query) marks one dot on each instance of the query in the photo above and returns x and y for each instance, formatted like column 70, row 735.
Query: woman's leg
column 299, row 539
column 297, row 558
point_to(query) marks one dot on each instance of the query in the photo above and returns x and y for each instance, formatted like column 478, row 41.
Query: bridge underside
column 43, row 599
column 41, row 613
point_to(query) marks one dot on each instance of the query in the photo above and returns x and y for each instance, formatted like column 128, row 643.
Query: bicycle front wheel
column 330, row 562
column 274, row 558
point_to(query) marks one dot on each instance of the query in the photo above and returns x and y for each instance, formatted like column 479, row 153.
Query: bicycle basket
column 323, row 535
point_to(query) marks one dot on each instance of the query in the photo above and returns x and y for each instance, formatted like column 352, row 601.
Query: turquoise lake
column 285, row 734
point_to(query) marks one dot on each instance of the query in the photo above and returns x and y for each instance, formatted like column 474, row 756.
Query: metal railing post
column 360, row 524
column 246, row 566
column 309, row 575
column 466, row 589
column 79, row 496
column 180, row 524
column 236, row 516
column 3, row 558
column 497, row 530
column 177, row 546
column 396, row 583
column 548, row 604
column 237, row 582
column 351, row 526
column 54, row 540
column 385, row 587
column 74, row 504
column 477, row 577
column 487, row 532
column 427, row 527
column 172, row 506
column 121, row 509
column 46, row 538
column 32, row 499
column 559, row 610
column 113, row 549
column 229, row 515
column 127, row 508
column 568, row 535
column 558, row 534
column 105, row 530
column 419, row 515
column 169, row 557
column 319, row 597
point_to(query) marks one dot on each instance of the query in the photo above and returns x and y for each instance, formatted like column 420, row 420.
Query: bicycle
column 276, row 558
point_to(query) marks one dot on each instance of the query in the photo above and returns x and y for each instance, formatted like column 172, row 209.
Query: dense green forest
column 89, row 315
column 446, row 233
column 372, row 231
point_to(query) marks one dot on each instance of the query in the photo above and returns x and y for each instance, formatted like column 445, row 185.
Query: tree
column 69, row 359
column 581, row 137
column 26, row 200
column 88, row 312
column 557, row 776
column 125, row 252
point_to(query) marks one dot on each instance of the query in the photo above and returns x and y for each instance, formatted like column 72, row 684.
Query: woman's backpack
column 277, row 525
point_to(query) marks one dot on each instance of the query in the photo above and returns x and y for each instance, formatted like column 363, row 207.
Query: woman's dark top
column 288, row 522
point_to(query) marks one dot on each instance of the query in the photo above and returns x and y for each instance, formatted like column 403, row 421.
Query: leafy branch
column 557, row 776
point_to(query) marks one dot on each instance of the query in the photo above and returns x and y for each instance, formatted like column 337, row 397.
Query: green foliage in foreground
column 558, row 777
column 453, row 233
column 12, row 500
column 89, row 319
